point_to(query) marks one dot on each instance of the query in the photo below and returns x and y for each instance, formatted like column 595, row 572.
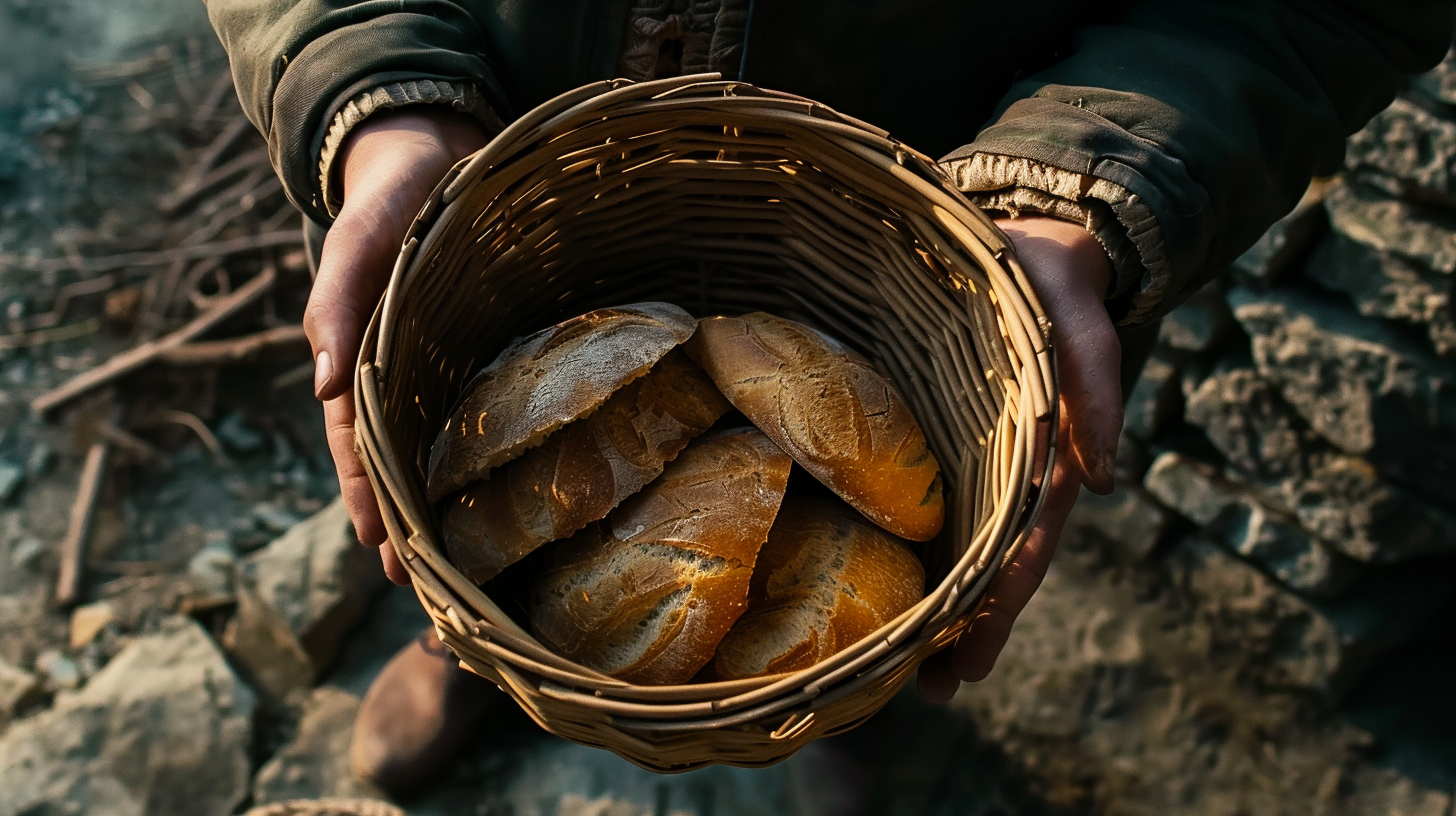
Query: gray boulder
column 1408, row 150
column 1338, row 498
column 298, row 597
column 1250, row 424
column 163, row 729
column 315, row 763
column 1128, row 518
column 1228, row 513
column 1395, row 259
column 1365, row 388
column 1154, row 399
column 1440, row 82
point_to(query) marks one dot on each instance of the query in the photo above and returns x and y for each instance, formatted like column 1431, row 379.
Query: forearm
column 1180, row 132
column 307, row 71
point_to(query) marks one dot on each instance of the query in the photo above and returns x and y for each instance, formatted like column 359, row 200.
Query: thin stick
column 195, row 423
column 133, row 359
column 83, row 511
column 217, row 249
column 234, row 349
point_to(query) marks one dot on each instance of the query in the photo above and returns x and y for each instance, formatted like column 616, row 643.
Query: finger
column 353, row 482
column 393, row 568
column 358, row 255
column 976, row 651
column 936, row 678
column 1089, row 365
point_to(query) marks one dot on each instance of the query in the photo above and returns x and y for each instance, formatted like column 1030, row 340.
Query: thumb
column 358, row 256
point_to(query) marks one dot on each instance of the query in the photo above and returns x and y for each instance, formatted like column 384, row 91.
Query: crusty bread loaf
column 830, row 410
column 647, row 594
column 541, row 382
column 582, row 471
column 825, row 579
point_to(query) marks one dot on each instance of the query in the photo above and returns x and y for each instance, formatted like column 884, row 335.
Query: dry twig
column 78, row 530
column 133, row 359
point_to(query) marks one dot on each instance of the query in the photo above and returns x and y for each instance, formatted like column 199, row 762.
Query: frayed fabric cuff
column 1118, row 219
column 462, row 96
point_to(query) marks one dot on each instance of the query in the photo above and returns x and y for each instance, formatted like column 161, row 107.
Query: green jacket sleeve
column 1191, row 126
column 298, row 63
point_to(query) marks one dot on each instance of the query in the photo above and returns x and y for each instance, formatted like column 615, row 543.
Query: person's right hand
column 388, row 166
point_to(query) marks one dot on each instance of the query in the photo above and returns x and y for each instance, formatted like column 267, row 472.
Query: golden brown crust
column 647, row 594
column 542, row 382
column 582, row 471
column 825, row 580
column 830, row 410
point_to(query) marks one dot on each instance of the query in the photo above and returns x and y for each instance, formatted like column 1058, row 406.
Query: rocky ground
column 1258, row 621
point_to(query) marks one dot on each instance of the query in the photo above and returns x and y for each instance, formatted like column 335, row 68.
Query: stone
column 1227, row 512
column 315, row 763
column 297, row 599
column 1338, row 498
column 163, row 729
column 1388, row 286
column 212, row 567
column 60, row 671
column 11, row 477
column 1394, row 258
column 1274, row 254
column 1250, row 424
column 88, row 621
column 1154, row 398
column 1440, row 82
column 1422, row 234
column 1199, row 323
column 18, row 689
column 26, row 552
column 1359, row 384
column 1128, row 518
column 1409, row 151
column 234, row 432
column 1288, row 641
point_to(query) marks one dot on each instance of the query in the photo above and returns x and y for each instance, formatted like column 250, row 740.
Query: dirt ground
column 1170, row 678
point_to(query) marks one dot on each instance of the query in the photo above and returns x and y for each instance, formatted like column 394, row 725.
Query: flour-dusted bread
column 540, row 383
column 646, row 595
column 582, row 471
column 825, row 579
column 830, row 410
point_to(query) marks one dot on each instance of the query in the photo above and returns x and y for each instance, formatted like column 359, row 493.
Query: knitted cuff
column 1120, row 221
column 462, row 96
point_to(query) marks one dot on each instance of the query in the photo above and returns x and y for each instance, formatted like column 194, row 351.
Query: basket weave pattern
column 722, row 198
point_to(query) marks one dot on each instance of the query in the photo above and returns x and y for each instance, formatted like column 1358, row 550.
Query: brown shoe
column 416, row 716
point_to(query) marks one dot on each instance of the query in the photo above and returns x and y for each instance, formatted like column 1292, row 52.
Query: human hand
column 1070, row 273
column 388, row 165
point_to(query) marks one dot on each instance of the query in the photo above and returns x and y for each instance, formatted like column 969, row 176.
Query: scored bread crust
column 825, row 579
column 542, row 382
column 830, row 410
column 646, row 595
column 582, row 471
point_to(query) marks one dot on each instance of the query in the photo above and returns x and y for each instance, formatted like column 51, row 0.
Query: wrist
column 410, row 145
column 1040, row 239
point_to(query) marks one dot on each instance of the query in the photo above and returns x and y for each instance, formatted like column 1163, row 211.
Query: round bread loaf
column 541, row 382
column 646, row 595
column 825, row 580
column 582, row 471
column 831, row 411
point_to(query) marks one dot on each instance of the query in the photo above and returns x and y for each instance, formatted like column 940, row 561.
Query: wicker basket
column 723, row 198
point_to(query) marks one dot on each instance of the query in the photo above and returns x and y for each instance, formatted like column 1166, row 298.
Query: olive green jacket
column 1177, row 130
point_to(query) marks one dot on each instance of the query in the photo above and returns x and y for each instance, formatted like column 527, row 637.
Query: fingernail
column 323, row 372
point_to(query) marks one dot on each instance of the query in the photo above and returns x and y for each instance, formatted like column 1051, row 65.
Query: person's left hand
column 1070, row 273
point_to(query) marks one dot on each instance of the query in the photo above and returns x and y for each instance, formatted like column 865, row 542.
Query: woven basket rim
column 641, row 719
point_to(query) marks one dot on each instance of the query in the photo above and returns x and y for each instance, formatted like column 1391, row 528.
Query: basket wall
column 722, row 198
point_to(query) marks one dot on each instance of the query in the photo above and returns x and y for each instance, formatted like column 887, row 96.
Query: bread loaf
column 582, row 471
column 831, row 411
column 825, row 580
column 646, row 595
column 541, row 382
